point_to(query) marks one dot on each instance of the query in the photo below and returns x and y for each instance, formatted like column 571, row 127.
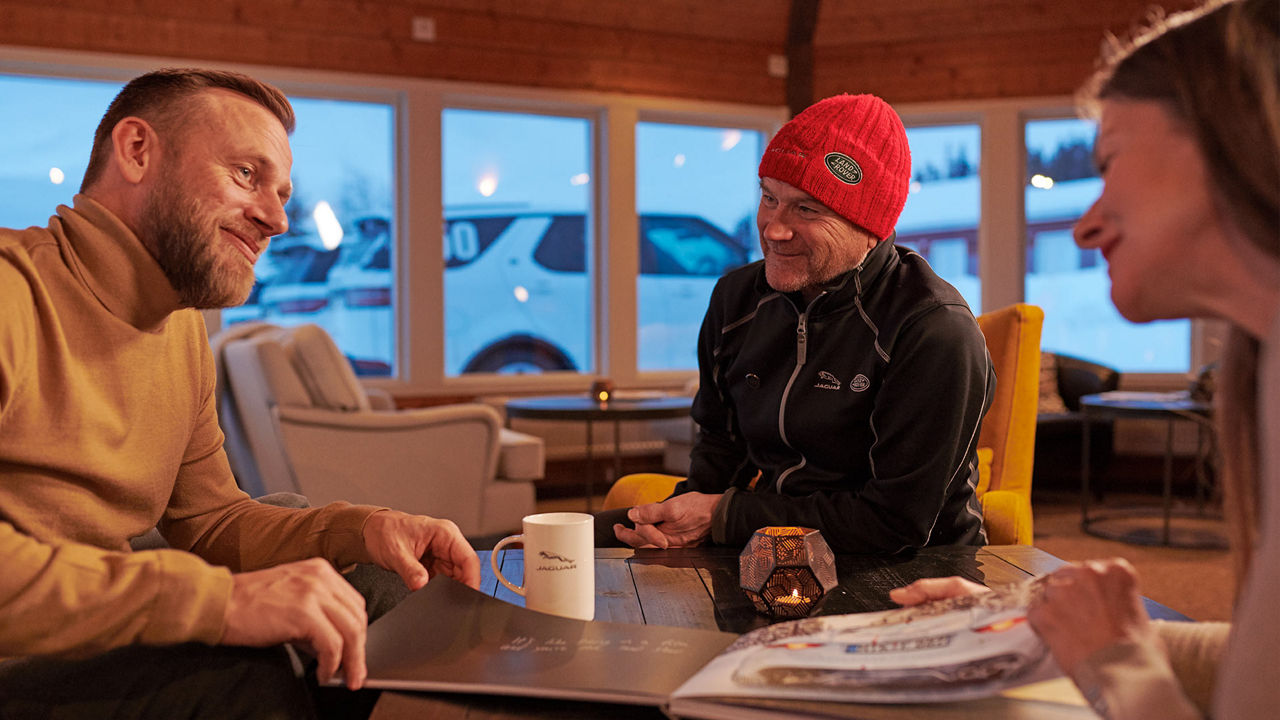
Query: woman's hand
column 1087, row 606
column 935, row 589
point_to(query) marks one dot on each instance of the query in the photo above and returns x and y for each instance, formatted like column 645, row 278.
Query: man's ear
column 135, row 148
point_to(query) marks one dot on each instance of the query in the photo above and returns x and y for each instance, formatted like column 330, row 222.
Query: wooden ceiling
column 903, row 50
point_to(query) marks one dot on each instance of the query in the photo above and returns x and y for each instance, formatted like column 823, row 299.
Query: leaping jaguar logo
column 827, row 381
column 552, row 556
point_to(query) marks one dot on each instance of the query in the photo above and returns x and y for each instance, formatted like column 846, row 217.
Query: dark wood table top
column 1144, row 404
column 698, row 588
column 584, row 407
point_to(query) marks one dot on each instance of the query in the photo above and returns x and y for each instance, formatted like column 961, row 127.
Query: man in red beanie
column 842, row 382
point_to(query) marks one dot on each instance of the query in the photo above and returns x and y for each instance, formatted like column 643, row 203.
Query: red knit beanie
column 850, row 153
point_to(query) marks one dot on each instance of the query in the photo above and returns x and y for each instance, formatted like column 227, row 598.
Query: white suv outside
column 517, row 297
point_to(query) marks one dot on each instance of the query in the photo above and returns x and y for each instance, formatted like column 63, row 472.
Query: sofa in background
column 1060, row 425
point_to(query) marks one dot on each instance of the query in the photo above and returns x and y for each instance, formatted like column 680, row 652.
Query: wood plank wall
column 671, row 48
column 929, row 50
column 904, row 50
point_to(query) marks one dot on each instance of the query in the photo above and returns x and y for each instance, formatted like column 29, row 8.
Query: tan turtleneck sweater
column 107, row 428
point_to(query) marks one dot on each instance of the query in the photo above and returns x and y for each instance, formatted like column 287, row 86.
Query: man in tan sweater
column 108, row 427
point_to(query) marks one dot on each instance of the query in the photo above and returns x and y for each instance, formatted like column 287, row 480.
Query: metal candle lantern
column 602, row 390
column 785, row 571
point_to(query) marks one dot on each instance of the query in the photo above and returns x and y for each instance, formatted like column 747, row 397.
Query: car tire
column 519, row 356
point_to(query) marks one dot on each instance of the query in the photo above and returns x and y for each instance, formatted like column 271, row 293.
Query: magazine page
column 955, row 649
column 448, row 637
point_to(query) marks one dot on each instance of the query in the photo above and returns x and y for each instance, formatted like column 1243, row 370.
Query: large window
column 453, row 239
column 940, row 220
column 331, row 268
column 334, row 265
column 46, row 131
column 1071, row 284
column 518, row 242
column 696, row 195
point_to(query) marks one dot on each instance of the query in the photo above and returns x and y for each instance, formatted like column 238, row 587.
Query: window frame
column 1002, row 227
column 418, row 263
column 484, row 99
column 765, row 122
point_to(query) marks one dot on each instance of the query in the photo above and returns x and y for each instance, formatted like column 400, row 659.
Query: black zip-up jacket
column 857, row 415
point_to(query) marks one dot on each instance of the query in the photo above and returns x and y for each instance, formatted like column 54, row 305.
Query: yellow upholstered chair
column 640, row 488
column 1006, row 446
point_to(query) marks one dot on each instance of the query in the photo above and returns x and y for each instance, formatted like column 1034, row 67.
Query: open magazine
column 447, row 637
column 957, row 649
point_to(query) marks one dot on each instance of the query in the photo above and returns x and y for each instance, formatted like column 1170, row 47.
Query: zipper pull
column 801, row 338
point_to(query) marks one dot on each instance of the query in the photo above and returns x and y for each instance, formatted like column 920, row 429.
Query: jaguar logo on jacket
column 827, row 381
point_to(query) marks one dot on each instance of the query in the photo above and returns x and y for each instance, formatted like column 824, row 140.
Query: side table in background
column 1172, row 408
column 619, row 407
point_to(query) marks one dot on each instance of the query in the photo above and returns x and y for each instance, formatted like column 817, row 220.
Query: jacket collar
column 844, row 288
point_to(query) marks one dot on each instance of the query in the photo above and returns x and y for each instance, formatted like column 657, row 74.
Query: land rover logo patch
column 844, row 168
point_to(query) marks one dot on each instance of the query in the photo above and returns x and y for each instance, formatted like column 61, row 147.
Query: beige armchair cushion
column 520, row 456
column 324, row 370
column 309, row 428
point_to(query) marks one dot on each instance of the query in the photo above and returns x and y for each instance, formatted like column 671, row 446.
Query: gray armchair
column 297, row 420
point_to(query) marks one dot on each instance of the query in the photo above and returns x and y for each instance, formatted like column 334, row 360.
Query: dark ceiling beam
column 801, row 27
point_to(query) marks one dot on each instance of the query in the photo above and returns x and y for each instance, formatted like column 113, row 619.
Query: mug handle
column 493, row 563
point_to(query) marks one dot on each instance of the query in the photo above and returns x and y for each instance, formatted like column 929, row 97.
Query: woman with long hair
column 1188, row 148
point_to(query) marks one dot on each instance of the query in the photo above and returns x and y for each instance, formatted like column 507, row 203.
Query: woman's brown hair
column 1216, row 69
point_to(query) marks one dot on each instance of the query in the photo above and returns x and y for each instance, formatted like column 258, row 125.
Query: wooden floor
column 1198, row 583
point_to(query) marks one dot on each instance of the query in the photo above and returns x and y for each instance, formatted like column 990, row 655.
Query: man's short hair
column 162, row 98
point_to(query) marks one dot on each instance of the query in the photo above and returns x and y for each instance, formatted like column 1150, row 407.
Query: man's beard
column 185, row 244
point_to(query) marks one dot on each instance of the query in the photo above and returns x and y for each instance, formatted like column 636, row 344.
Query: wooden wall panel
column 665, row 47
column 905, row 50
column 935, row 50
column 750, row 21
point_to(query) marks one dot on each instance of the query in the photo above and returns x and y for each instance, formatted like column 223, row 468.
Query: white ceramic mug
column 559, row 564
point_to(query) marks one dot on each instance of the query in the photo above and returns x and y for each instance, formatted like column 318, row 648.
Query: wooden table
column 1172, row 408
column 698, row 588
column 589, row 410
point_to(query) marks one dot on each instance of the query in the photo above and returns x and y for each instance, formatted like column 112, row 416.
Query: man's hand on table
column 310, row 604
column 307, row 603
column 680, row 521
column 415, row 547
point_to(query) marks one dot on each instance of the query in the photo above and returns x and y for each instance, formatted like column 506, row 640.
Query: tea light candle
column 795, row 599
column 602, row 390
